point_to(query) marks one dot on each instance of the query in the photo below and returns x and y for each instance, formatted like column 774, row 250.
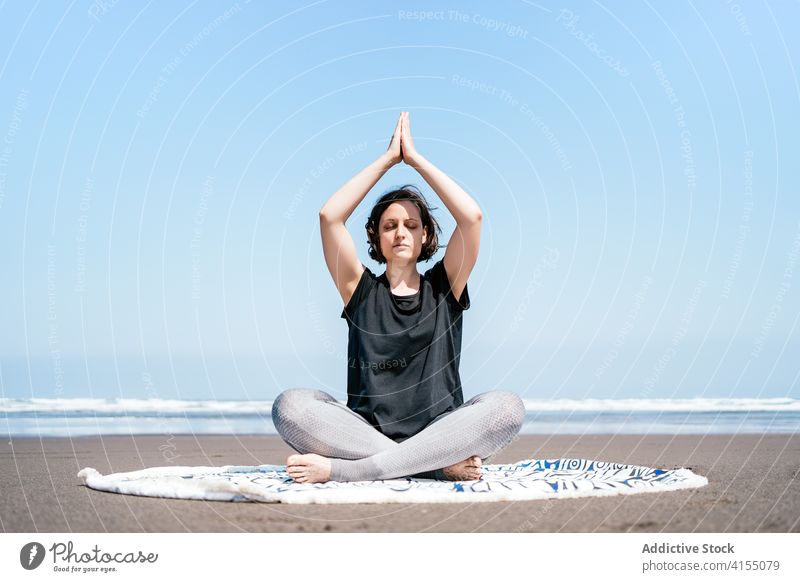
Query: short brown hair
column 412, row 194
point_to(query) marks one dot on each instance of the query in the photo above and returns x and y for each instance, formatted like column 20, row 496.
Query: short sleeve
column 365, row 285
column 441, row 285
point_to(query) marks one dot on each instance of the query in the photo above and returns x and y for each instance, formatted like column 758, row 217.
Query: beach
column 753, row 487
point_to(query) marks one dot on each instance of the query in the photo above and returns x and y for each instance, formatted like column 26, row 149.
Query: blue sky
column 162, row 165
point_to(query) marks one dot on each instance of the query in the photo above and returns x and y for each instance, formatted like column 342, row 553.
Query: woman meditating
column 405, row 412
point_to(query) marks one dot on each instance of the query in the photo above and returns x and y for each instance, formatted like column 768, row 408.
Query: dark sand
column 753, row 487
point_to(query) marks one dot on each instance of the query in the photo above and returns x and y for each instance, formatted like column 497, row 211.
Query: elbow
column 470, row 220
column 326, row 218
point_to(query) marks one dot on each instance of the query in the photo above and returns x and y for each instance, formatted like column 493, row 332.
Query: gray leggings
column 312, row 421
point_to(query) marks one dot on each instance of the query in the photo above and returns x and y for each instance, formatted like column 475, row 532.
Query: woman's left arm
column 462, row 249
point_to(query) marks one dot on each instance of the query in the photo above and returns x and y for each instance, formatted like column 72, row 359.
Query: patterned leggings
column 312, row 421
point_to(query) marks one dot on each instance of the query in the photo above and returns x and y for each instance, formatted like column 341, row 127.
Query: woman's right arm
column 337, row 244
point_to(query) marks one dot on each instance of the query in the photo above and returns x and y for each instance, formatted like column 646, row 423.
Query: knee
column 509, row 410
column 290, row 404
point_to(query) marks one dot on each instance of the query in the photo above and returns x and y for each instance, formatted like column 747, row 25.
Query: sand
column 753, row 487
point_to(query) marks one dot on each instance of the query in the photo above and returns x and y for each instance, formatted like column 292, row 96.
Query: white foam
column 264, row 407
column 667, row 405
column 130, row 405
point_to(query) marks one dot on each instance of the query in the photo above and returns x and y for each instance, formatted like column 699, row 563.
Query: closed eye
column 392, row 225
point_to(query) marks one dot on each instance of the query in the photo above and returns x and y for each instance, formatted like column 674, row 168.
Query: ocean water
column 40, row 417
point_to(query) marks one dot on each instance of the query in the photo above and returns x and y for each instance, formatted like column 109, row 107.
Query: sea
column 76, row 417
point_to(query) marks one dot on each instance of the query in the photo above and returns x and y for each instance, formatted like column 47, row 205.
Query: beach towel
column 524, row 480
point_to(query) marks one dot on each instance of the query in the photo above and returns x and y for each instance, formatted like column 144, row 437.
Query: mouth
column 401, row 246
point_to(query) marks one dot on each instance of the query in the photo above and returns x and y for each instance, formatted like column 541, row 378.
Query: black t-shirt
column 403, row 352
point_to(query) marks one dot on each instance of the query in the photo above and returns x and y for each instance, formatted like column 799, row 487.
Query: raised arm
column 462, row 249
column 337, row 244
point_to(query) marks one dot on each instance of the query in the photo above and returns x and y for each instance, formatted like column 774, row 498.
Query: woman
column 405, row 412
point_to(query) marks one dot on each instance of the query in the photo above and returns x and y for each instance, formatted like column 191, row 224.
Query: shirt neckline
column 399, row 300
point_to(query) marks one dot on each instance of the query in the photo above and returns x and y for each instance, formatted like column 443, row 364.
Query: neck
column 402, row 276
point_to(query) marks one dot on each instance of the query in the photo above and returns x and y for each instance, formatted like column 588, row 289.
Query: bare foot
column 467, row 470
column 308, row 468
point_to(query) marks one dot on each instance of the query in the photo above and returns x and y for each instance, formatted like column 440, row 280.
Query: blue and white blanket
column 525, row 480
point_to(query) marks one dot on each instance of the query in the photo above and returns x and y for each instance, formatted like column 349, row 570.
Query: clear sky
column 162, row 166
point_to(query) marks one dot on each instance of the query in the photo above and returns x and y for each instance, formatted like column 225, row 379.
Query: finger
column 399, row 122
column 398, row 130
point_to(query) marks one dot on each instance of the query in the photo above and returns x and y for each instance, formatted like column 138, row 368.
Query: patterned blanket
column 525, row 480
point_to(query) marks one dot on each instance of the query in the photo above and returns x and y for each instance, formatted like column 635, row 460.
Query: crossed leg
column 337, row 444
column 314, row 423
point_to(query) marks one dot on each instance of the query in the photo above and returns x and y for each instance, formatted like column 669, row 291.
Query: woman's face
column 402, row 233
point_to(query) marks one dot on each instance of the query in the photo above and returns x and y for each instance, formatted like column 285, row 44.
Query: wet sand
column 754, row 486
